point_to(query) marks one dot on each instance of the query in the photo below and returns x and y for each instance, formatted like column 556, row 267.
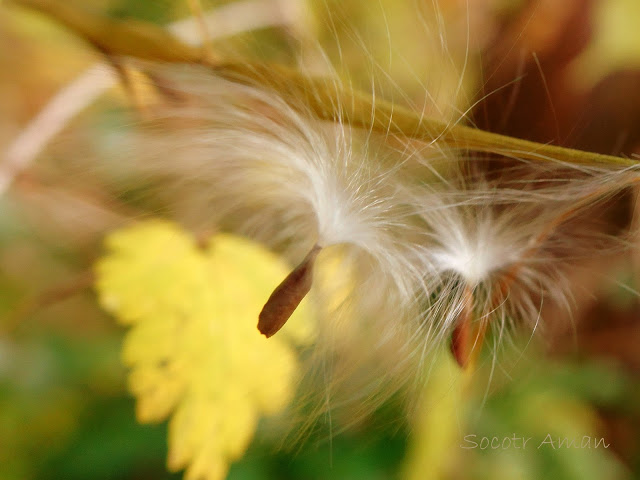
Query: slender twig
column 318, row 95
column 226, row 20
column 66, row 104
column 358, row 109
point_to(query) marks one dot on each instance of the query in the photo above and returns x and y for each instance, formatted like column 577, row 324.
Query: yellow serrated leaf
column 193, row 346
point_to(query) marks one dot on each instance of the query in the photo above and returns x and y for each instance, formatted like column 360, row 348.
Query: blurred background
column 562, row 72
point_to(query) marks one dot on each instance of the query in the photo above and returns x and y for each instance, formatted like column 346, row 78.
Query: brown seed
column 459, row 343
column 288, row 295
column 461, row 337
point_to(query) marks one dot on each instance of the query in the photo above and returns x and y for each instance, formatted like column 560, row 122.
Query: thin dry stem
column 226, row 20
column 318, row 95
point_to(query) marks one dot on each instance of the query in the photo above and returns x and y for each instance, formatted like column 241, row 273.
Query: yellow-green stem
column 325, row 98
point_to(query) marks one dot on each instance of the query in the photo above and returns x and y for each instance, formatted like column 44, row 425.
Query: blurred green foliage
column 66, row 415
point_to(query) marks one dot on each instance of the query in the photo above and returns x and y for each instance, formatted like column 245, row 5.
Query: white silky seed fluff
column 411, row 246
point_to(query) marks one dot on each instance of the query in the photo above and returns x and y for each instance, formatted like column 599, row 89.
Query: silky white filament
column 428, row 239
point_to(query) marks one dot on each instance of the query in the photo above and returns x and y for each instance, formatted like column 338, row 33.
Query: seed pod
column 461, row 338
column 288, row 295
